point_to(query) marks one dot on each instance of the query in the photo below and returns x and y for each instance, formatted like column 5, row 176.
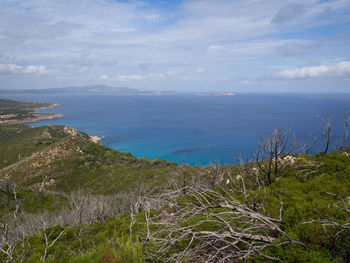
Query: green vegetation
column 23, row 112
column 305, row 198
column 21, row 108
column 71, row 161
column 64, row 198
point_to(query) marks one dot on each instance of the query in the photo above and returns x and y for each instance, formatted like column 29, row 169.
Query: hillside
column 24, row 112
column 70, row 160
column 65, row 198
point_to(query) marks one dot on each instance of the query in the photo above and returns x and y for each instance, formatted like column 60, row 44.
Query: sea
column 195, row 129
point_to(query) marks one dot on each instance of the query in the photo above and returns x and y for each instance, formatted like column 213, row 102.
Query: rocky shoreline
column 96, row 139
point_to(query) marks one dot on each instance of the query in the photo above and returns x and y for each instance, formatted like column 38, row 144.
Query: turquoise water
column 193, row 129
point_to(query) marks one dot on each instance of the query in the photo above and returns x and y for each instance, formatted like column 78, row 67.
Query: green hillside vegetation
column 17, row 107
column 68, row 160
column 65, row 198
column 24, row 112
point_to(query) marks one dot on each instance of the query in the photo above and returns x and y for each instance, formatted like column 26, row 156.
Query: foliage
column 54, row 165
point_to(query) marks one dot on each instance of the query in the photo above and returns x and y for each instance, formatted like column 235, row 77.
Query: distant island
column 12, row 112
column 93, row 89
column 215, row 94
column 107, row 90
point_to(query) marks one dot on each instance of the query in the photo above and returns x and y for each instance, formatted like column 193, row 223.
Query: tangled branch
column 213, row 226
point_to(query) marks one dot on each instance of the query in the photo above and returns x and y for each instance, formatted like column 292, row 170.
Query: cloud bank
column 18, row 69
column 341, row 69
column 121, row 77
column 183, row 45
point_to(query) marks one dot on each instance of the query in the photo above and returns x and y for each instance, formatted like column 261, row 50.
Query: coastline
column 36, row 116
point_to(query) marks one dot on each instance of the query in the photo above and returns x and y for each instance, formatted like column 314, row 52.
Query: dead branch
column 306, row 148
column 273, row 154
column 308, row 168
column 213, row 226
column 83, row 209
column 47, row 237
column 327, row 130
column 341, row 142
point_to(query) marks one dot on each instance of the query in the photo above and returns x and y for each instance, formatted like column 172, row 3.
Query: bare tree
column 225, row 224
column 9, row 221
column 216, row 174
column 135, row 208
column 273, row 154
column 327, row 130
column 47, row 236
column 213, row 226
column 306, row 148
column 42, row 186
column 184, row 181
column 43, row 183
column 248, row 183
column 341, row 142
column 346, row 126
column 182, row 178
column 83, row 209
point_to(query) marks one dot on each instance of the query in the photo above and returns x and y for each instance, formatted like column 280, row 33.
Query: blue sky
column 216, row 45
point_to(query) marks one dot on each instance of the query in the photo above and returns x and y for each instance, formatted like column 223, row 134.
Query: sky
column 182, row 45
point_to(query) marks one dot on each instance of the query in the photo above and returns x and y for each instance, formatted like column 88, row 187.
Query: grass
column 304, row 199
column 74, row 162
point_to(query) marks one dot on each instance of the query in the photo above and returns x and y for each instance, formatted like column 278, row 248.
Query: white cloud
column 215, row 48
column 6, row 69
column 35, row 70
column 156, row 76
column 341, row 69
column 10, row 68
column 129, row 77
column 121, row 77
column 200, row 70
column 139, row 39
column 103, row 77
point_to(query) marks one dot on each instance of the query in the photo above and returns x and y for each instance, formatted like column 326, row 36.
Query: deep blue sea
column 193, row 129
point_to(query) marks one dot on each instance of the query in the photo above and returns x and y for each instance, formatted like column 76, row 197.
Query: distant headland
column 107, row 90
column 12, row 112
column 93, row 89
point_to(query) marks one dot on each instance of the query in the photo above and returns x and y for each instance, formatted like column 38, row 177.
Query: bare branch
column 273, row 155
column 215, row 226
column 50, row 244
column 307, row 148
column 341, row 142
column 327, row 130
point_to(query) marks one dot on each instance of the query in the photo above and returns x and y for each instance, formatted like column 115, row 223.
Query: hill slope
column 66, row 198
column 24, row 112
column 68, row 159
